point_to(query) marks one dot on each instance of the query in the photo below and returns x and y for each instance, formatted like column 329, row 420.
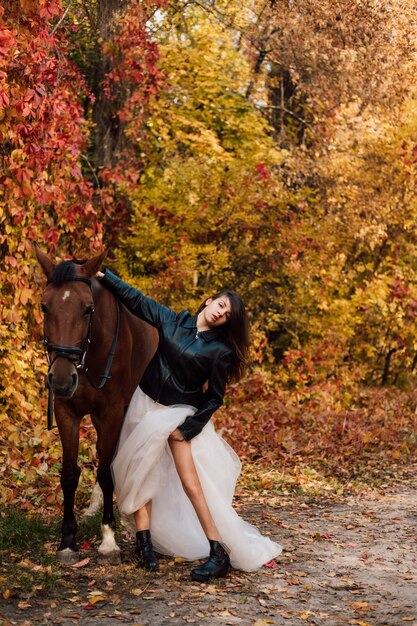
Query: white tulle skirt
column 144, row 469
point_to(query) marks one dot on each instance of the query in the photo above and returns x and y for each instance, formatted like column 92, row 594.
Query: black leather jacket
column 184, row 361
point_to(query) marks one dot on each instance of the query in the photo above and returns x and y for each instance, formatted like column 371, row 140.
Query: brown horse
column 98, row 352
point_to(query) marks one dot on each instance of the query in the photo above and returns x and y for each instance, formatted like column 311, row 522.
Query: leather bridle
column 77, row 354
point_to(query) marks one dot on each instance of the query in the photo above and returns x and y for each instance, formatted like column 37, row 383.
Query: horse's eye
column 89, row 309
column 44, row 308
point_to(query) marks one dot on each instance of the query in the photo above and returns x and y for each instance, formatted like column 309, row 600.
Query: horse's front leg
column 69, row 428
column 108, row 428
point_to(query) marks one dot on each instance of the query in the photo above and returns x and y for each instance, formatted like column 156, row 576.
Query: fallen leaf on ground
column 362, row 606
column 136, row 592
column 95, row 599
column 81, row 563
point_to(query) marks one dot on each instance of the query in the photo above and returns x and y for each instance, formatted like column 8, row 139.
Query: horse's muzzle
column 63, row 386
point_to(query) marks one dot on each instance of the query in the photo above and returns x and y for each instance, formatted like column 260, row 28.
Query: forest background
column 266, row 145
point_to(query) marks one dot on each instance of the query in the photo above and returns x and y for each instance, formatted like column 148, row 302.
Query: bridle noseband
column 75, row 354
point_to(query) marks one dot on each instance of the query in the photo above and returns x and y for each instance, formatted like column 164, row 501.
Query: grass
column 28, row 544
column 22, row 532
column 25, row 563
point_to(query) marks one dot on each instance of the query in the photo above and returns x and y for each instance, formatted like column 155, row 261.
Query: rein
column 77, row 354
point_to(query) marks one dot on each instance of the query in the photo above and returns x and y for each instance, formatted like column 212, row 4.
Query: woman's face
column 217, row 312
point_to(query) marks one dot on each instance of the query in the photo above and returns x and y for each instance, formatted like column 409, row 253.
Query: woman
column 172, row 472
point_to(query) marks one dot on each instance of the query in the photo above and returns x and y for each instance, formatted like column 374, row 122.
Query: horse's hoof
column 110, row 558
column 67, row 556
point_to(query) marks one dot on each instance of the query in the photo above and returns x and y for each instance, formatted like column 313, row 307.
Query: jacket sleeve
column 212, row 398
column 147, row 309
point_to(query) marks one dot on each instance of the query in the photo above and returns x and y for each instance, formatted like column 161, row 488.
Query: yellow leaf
column 359, row 605
column 6, row 594
column 24, row 605
column 95, row 599
column 136, row 592
column 266, row 482
column 367, row 437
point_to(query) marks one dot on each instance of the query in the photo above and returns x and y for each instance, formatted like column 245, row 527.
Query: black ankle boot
column 217, row 565
column 144, row 551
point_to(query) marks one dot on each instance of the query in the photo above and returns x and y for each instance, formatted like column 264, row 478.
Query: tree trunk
column 108, row 130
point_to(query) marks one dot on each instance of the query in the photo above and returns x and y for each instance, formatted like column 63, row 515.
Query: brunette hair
column 236, row 332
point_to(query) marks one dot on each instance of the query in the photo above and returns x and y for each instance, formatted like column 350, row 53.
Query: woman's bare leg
column 181, row 451
column 143, row 517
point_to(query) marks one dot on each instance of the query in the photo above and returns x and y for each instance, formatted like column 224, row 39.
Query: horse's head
column 68, row 306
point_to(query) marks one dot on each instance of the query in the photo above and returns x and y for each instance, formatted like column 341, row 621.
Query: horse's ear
column 92, row 266
column 44, row 261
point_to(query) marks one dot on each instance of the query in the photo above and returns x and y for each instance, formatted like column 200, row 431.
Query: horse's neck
column 105, row 312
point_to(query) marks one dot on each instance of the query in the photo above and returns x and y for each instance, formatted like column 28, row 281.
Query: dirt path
column 350, row 562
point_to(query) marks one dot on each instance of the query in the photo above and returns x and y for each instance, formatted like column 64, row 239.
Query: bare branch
column 64, row 15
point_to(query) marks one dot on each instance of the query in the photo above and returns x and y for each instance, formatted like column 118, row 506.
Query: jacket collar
column 190, row 321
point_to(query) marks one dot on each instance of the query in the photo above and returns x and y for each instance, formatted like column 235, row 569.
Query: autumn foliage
column 266, row 146
column 45, row 197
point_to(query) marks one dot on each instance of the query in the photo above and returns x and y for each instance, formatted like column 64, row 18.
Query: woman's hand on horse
column 177, row 435
column 99, row 275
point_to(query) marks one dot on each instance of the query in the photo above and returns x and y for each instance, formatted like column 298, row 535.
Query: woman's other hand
column 176, row 435
column 99, row 275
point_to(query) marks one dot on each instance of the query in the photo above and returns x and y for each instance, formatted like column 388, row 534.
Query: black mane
column 64, row 272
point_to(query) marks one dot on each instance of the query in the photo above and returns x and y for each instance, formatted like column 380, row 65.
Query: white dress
column 143, row 469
